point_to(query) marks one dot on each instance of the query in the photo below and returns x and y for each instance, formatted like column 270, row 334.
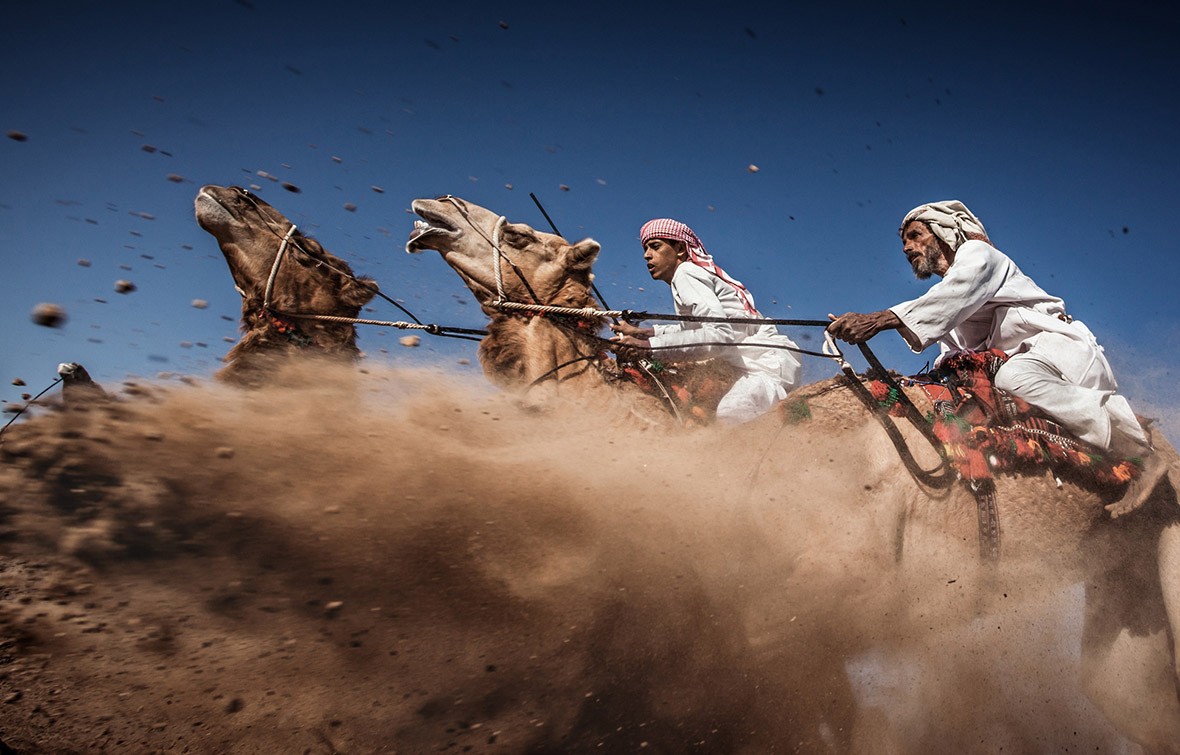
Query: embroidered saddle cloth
column 985, row 430
column 694, row 388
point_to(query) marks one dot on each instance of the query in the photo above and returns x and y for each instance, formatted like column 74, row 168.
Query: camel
column 307, row 280
column 905, row 530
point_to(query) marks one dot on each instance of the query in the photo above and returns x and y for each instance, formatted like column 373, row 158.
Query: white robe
column 985, row 302
column 768, row 373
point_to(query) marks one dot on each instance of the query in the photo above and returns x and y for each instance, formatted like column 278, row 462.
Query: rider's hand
column 630, row 347
column 858, row 328
column 627, row 329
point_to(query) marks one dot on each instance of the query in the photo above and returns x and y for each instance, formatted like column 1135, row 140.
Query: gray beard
column 923, row 268
column 926, row 263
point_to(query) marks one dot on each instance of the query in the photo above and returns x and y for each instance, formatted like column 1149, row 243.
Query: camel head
column 309, row 279
column 250, row 231
column 557, row 272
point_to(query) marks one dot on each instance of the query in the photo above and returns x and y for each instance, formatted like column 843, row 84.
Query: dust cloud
column 400, row 561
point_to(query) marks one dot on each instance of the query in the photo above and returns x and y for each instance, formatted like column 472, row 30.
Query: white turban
column 949, row 220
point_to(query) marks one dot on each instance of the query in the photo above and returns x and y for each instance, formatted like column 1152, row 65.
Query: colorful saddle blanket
column 985, row 430
column 694, row 388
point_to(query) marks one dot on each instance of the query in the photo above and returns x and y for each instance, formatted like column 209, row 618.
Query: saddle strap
column 989, row 520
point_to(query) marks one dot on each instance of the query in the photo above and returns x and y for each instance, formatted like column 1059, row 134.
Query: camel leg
column 1133, row 677
column 1169, row 570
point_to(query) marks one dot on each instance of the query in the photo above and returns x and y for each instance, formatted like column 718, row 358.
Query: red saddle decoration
column 985, row 430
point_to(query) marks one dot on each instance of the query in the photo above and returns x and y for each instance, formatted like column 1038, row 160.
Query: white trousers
column 1072, row 383
column 753, row 395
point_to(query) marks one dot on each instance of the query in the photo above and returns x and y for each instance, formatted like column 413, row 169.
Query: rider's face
column 928, row 255
column 663, row 256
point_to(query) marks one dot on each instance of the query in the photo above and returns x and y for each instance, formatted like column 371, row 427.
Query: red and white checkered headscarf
column 666, row 228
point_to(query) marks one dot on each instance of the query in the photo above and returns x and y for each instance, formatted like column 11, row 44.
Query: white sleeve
column 972, row 281
column 701, row 301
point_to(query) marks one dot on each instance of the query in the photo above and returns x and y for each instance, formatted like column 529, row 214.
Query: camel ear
column 358, row 295
column 582, row 254
column 312, row 246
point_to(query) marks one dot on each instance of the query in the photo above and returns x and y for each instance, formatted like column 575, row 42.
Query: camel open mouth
column 422, row 229
column 430, row 224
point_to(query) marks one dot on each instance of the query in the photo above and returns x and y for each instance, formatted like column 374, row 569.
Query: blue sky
column 1054, row 122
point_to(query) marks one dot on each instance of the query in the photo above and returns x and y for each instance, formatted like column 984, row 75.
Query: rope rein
column 26, row 406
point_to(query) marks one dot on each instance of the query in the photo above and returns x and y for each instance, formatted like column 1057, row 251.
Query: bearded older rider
column 984, row 302
column 700, row 288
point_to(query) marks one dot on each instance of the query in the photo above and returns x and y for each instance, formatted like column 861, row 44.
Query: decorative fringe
column 984, row 430
column 696, row 387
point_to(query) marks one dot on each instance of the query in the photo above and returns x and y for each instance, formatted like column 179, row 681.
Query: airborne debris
column 752, row 168
column 83, row 262
column 503, row 24
column 350, row 206
column 18, row 136
column 508, row 187
column 377, row 189
column 410, row 341
column 290, row 187
column 563, row 187
column 124, row 286
column 200, row 303
column 175, row 178
column 148, row 148
column 48, row 315
column 18, row 382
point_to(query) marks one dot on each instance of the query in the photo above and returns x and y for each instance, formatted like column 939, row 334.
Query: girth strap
column 989, row 520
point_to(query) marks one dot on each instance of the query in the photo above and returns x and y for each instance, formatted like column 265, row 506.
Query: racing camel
column 906, row 525
column 278, row 270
